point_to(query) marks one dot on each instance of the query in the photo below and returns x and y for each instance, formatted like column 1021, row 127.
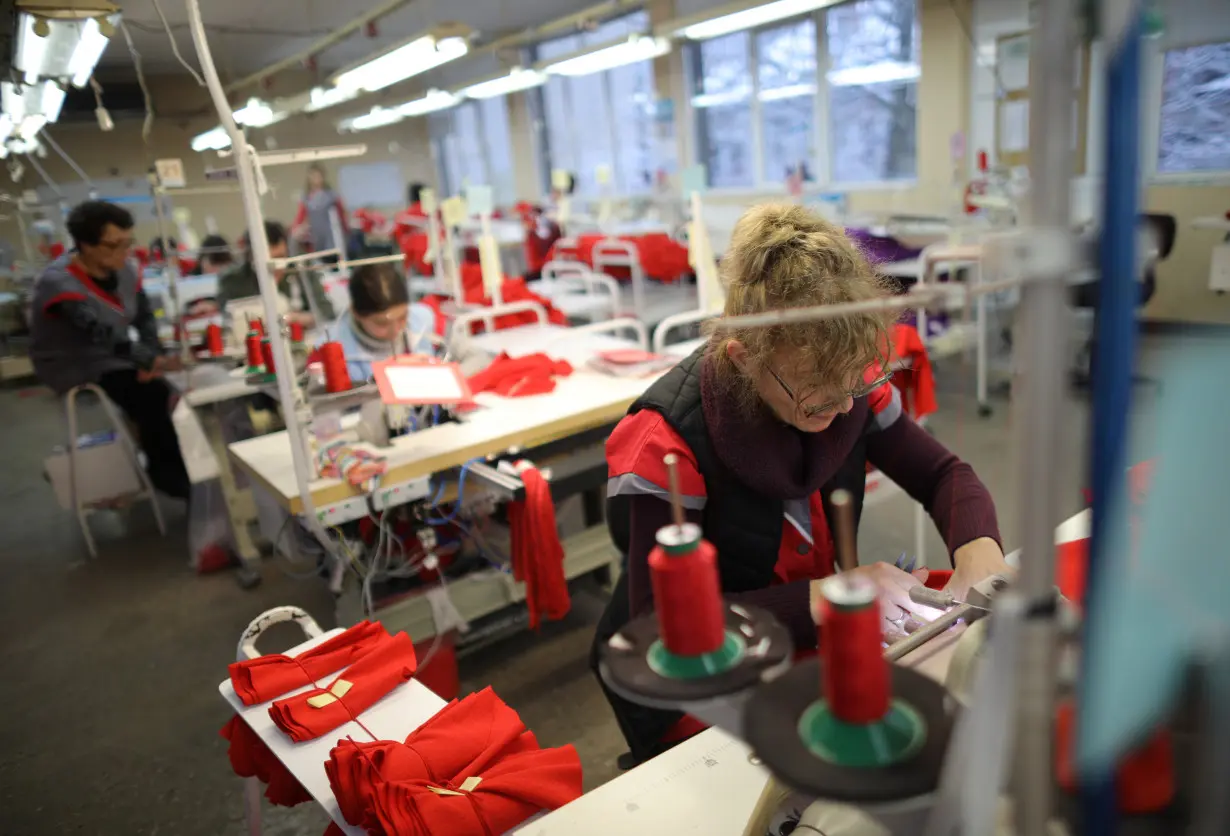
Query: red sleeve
column 301, row 215
column 637, row 448
column 341, row 215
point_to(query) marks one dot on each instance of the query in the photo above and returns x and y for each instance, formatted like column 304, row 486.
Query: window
column 763, row 115
column 873, row 48
column 601, row 119
column 472, row 146
column 1194, row 134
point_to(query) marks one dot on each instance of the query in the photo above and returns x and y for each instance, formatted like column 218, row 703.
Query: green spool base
column 895, row 738
column 672, row 666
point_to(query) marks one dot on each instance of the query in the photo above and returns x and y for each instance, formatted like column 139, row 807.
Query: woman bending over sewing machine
column 381, row 321
column 765, row 424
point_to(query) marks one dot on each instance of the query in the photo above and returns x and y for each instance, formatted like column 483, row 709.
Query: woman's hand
column 976, row 561
column 894, row 586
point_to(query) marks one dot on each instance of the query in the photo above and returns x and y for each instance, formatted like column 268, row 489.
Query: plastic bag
column 210, row 543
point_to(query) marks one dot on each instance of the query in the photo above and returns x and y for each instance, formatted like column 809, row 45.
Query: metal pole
column 1115, row 330
column 1040, row 402
column 170, row 260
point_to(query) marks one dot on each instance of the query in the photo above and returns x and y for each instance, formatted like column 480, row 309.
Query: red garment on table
column 537, row 554
column 385, row 666
column 370, row 220
column 513, row 289
column 383, row 786
column 533, row 374
column 265, row 677
column 251, row 758
column 662, row 257
column 917, row 383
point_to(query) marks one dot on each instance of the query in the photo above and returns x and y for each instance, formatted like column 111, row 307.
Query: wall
column 1182, row 280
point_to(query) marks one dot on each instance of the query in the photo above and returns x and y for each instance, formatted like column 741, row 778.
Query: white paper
column 1013, row 126
column 1012, row 63
column 479, row 200
column 424, row 384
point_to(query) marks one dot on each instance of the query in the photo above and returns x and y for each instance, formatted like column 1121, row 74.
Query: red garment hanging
column 917, row 383
column 266, row 677
column 312, row 713
column 537, row 554
column 251, row 758
column 533, row 374
column 462, row 739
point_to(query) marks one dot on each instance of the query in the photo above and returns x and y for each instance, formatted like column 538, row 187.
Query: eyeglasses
column 124, row 244
column 811, row 411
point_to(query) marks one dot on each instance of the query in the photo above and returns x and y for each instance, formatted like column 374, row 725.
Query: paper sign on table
column 427, row 200
column 454, row 211
column 479, row 200
column 407, row 380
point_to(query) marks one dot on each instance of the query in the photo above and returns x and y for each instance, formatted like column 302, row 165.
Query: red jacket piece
column 251, row 758
column 662, row 257
column 266, row 677
column 533, row 374
column 917, row 383
column 385, row 666
column 537, row 554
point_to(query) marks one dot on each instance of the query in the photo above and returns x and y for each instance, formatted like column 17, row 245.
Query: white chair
column 579, row 292
column 100, row 476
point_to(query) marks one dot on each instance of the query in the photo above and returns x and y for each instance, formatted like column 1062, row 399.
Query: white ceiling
column 246, row 35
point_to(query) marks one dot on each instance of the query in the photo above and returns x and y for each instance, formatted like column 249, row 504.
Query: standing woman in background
column 313, row 221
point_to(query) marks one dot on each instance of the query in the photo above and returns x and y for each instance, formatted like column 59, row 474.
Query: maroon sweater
column 947, row 487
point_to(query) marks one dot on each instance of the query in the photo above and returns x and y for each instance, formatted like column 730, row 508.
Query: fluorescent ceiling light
column 377, row 117
column 43, row 99
column 68, row 52
column 636, row 48
column 417, row 56
column 257, row 114
column 749, row 18
column 885, row 72
column 433, row 101
column 788, row 91
column 517, row 79
column 323, row 97
column 308, row 155
column 215, row 139
column 30, row 125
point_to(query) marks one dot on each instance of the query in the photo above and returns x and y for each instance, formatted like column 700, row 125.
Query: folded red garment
column 537, row 554
column 533, row 374
column 265, row 677
column 462, row 739
column 312, row 713
column 251, row 758
column 502, row 797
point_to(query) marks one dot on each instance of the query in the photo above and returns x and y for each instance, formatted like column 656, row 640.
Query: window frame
column 1154, row 60
column 823, row 140
column 439, row 152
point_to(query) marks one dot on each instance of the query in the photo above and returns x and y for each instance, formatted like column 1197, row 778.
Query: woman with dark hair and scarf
column 765, row 424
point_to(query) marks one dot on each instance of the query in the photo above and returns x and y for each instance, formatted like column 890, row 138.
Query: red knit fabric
column 251, row 758
column 533, row 374
column 662, row 257
column 265, row 677
column 917, row 383
column 383, row 786
column 537, row 554
column 385, row 666
column 513, row 289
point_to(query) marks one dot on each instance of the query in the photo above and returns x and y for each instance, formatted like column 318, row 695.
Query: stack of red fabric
column 537, row 554
column 513, row 290
column 533, row 374
column 472, row 769
column 662, row 257
column 266, row 677
column 917, row 383
column 251, row 758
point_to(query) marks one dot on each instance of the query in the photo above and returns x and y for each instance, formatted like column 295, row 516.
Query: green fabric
column 239, row 282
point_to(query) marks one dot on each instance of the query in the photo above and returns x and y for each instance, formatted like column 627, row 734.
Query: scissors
column 906, row 563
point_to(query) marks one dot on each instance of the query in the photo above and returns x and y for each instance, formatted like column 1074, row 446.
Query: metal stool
column 84, row 502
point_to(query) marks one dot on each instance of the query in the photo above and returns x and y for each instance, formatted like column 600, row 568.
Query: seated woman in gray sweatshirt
column 85, row 304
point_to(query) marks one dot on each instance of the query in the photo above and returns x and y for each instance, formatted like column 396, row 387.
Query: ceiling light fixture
column 517, row 79
column 215, row 139
column 636, row 48
column 323, row 97
column 433, row 101
column 446, row 43
column 68, row 51
column 257, row 114
column 749, row 18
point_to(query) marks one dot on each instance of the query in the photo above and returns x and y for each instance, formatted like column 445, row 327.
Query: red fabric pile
column 513, row 290
column 662, row 257
column 537, row 554
column 471, row 769
column 917, row 383
column 266, row 677
column 369, row 220
column 533, row 374
column 251, row 758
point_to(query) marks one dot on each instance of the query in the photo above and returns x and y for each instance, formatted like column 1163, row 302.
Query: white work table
column 581, row 401
column 557, row 341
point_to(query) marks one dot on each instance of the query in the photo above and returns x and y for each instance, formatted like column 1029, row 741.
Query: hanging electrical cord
column 148, row 124
column 461, row 486
column 175, row 44
column 55, row 146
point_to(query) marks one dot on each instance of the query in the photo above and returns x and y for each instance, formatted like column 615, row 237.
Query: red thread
column 333, row 358
column 258, row 325
column 213, row 339
column 267, row 355
column 254, row 349
column 688, row 598
column 856, row 674
column 296, row 332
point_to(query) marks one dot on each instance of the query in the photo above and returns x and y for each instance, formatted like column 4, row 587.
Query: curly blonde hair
column 786, row 256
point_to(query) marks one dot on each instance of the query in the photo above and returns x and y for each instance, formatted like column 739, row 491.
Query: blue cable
column 435, row 415
column 1115, row 349
column 461, row 487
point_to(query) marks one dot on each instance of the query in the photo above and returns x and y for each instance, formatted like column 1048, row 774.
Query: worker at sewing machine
column 381, row 321
column 85, row 303
column 240, row 281
column 765, row 424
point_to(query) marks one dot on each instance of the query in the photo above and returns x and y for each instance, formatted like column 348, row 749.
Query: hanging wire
column 148, row 124
column 175, row 44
